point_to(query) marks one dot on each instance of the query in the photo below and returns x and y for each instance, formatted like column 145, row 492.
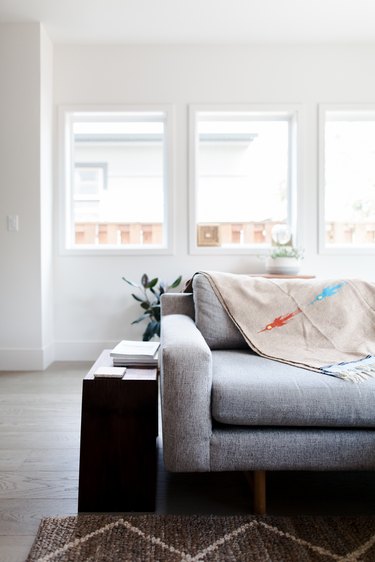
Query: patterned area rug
column 174, row 538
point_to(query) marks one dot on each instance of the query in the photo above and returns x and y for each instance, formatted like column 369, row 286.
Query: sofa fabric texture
column 250, row 390
column 212, row 320
column 178, row 303
column 274, row 448
column 186, row 383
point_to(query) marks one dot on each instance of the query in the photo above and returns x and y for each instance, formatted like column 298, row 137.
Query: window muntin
column 347, row 179
column 242, row 177
column 117, row 176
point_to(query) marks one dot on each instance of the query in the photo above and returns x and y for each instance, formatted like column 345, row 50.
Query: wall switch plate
column 13, row 223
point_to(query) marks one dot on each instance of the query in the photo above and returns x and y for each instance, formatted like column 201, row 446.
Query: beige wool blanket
column 324, row 326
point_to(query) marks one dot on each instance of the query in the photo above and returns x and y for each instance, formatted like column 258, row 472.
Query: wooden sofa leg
column 257, row 481
column 260, row 492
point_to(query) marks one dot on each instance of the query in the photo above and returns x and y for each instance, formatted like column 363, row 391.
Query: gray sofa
column 225, row 408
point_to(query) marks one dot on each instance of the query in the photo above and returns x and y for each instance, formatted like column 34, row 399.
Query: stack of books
column 109, row 372
column 135, row 354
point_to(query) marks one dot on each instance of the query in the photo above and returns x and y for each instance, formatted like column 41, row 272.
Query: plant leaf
column 137, row 298
column 154, row 292
column 143, row 317
column 131, row 283
column 145, row 305
column 144, row 280
column 176, row 282
column 151, row 330
column 156, row 314
column 151, row 283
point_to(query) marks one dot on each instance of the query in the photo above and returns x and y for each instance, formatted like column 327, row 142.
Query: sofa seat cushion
column 250, row 390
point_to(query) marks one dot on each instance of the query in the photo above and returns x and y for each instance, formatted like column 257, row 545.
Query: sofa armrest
column 177, row 303
column 186, row 380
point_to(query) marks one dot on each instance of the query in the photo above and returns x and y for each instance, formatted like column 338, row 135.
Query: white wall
column 93, row 305
column 26, row 190
column 20, row 297
column 46, row 196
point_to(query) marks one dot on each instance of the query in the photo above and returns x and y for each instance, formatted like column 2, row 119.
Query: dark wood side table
column 119, row 427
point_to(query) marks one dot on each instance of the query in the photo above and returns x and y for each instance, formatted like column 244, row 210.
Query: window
column 347, row 178
column 243, row 177
column 116, row 181
column 90, row 179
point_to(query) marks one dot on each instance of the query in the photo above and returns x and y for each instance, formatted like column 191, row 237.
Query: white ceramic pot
column 283, row 266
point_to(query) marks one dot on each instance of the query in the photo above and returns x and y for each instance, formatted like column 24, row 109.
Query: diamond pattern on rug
column 143, row 538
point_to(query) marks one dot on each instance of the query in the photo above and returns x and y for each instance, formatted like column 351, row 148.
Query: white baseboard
column 26, row 359
column 81, row 350
column 21, row 359
column 48, row 355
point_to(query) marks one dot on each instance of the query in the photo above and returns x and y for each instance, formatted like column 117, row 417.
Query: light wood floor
column 39, row 452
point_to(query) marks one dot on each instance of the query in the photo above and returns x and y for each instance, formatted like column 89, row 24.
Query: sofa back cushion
column 212, row 320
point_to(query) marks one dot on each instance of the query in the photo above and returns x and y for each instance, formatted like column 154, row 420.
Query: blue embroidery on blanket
column 328, row 292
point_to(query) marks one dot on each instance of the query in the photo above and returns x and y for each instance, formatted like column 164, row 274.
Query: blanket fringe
column 356, row 371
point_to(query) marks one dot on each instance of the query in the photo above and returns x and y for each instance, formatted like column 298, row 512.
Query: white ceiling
column 198, row 21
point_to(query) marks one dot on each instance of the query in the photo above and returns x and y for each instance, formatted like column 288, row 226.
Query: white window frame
column 295, row 114
column 66, row 171
column 337, row 249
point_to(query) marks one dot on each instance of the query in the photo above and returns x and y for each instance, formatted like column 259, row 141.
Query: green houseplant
column 286, row 252
column 284, row 260
column 149, row 293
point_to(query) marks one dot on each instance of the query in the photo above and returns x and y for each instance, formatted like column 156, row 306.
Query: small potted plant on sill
column 149, row 299
column 284, row 260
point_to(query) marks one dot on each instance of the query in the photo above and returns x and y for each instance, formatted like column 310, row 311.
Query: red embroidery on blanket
column 280, row 321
